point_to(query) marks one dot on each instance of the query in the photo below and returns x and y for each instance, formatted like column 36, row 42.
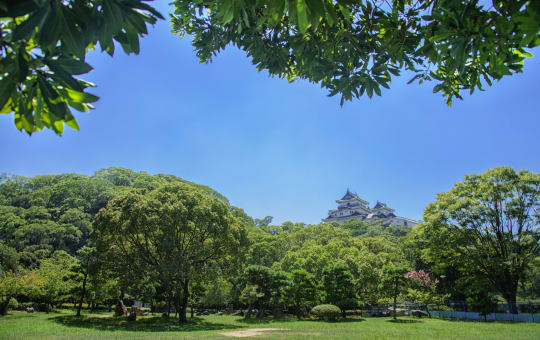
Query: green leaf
column 301, row 10
column 27, row 27
column 7, row 87
column 81, row 97
column 22, row 64
column 70, row 34
column 70, row 65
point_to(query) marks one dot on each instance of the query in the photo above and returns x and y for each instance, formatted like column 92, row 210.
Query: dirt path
column 251, row 332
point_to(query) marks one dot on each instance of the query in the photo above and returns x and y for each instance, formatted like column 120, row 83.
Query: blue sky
column 280, row 149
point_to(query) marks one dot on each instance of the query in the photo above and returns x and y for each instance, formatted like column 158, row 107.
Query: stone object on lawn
column 419, row 313
column 30, row 310
column 238, row 313
column 132, row 316
column 120, row 309
column 204, row 312
column 219, row 313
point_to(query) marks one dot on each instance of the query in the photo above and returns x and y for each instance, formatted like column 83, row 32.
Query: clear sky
column 280, row 149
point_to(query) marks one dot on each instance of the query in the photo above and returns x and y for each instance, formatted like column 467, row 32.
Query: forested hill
column 43, row 214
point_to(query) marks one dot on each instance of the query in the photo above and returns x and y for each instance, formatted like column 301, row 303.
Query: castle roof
column 348, row 196
column 380, row 205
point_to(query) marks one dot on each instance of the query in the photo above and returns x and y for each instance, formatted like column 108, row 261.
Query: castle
column 352, row 206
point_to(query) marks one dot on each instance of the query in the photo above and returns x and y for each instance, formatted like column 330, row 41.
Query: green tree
column 85, row 265
column 353, row 47
column 480, row 297
column 176, row 230
column 339, row 287
column 393, row 283
column 487, row 225
column 55, row 278
column 266, row 287
column 302, row 291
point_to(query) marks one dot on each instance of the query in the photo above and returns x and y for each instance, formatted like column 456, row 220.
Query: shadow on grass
column 404, row 321
column 270, row 320
column 482, row 320
column 151, row 324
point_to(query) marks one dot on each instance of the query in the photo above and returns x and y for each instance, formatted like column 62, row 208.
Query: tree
column 393, row 283
column 423, row 288
column 355, row 47
column 302, row 291
column 16, row 283
column 481, row 298
column 55, row 278
column 176, row 231
column 350, row 47
column 43, row 45
column 84, row 266
column 487, row 225
column 264, row 286
column 339, row 287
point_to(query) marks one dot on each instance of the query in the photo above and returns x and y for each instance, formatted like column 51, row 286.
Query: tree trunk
column 298, row 312
column 249, row 310
column 510, row 297
column 276, row 311
column 192, row 312
column 83, row 293
column 184, row 302
column 427, row 310
column 4, row 306
column 395, row 298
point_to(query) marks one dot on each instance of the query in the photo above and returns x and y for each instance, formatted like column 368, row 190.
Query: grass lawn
column 64, row 325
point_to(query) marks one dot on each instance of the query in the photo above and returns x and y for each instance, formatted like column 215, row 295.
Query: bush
column 326, row 312
column 13, row 304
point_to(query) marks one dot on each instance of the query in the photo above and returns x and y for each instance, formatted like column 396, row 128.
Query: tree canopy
column 43, row 45
column 488, row 226
column 355, row 47
column 349, row 47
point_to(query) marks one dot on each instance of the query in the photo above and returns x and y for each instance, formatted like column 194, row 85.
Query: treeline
column 172, row 243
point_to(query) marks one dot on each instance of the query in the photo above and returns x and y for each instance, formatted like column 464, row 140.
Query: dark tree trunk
column 184, row 302
column 83, row 293
column 276, row 311
column 249, row 310
column 395, row 298
column 298, row 312
column 4, row 306
column 192, row 312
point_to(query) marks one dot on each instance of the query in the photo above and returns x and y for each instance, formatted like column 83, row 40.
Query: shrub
column 13, row 304
column 326, row 312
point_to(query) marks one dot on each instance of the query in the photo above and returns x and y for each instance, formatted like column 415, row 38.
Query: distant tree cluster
column 91, row 240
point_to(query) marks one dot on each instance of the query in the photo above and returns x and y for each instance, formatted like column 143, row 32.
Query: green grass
column 64, row 325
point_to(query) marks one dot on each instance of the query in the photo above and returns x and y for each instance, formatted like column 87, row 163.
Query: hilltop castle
column 352, row 206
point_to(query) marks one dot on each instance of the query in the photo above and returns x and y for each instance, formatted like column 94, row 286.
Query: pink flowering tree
column 423, row 289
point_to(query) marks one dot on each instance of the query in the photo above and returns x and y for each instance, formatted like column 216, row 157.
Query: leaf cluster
column 43, row 45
